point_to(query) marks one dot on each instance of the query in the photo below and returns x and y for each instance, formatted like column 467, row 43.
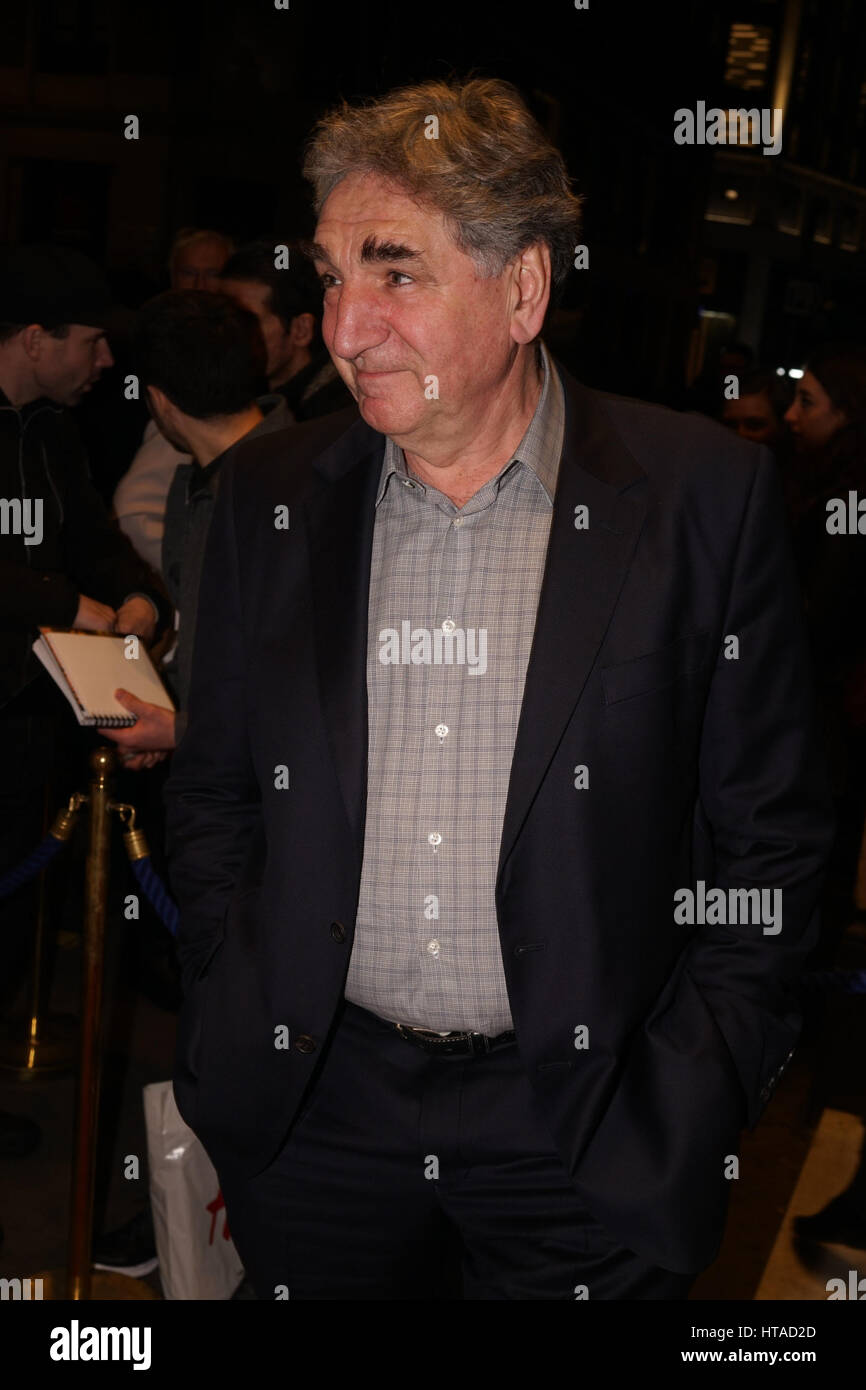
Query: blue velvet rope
column 148, row 879
column 156, row 892
column 36, row 861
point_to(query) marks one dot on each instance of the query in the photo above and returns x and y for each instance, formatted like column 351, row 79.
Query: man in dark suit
column 497, row 828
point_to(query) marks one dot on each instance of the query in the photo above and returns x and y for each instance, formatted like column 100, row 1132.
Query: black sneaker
column 18, row 1135
column 131, row 1249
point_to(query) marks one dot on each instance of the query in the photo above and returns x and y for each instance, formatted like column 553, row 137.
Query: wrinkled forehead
column 365, row 213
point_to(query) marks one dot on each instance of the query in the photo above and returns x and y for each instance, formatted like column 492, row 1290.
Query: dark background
column 688, row 246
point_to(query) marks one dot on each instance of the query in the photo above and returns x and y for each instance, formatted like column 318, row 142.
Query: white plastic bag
column 197, row 1257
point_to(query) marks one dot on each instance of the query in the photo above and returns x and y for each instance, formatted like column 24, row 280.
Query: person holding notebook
column 201, row 360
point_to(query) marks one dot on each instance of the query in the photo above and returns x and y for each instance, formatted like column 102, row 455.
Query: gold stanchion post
column 95, row 897
column 43, row 1045
column 80, row 1282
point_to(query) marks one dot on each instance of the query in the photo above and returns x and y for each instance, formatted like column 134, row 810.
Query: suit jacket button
column 304, row 1043
column 338, row 931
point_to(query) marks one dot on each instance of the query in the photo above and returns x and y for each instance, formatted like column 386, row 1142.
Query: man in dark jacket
column 201, row 359
column 498, row 828
column 62, row 561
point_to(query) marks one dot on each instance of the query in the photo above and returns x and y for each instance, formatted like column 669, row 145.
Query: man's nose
column 355, row 322
column 104, row 358
column 791, row 413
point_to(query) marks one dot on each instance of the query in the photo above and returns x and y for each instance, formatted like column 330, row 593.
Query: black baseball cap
column 52, row 285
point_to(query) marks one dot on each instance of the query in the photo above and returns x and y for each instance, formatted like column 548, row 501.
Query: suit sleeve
column 212, row 797
column 764, row 794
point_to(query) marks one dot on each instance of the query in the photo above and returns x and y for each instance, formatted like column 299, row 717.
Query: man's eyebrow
column 375, row 250
column 313, row 250
column 372, row 251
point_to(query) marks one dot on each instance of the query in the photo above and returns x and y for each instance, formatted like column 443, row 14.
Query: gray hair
column 489, row 168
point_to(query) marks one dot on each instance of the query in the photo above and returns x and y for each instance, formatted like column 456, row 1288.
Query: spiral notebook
column 89, row 666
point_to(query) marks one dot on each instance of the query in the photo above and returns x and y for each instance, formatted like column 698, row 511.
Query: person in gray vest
column 201, row 361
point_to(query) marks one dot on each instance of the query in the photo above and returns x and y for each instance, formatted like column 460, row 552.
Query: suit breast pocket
column 655, row 670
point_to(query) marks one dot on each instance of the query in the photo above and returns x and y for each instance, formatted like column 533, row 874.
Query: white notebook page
column 94, row 665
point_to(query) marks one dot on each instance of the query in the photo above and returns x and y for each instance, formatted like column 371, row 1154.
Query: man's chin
column 386, row 416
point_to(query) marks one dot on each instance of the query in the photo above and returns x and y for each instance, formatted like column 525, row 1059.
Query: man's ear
column 33, row 340
column 531, row 292
column 302, row 330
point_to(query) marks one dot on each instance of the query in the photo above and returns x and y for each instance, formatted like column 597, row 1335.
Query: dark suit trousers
column 408, row 1176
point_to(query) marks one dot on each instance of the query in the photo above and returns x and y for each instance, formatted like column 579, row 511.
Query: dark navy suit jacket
column 701, row 767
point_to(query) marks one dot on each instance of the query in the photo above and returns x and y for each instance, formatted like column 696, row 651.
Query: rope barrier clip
column 64, row 821
column 133, row 838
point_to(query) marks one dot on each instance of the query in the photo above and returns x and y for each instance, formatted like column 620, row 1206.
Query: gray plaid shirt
column 453, row 600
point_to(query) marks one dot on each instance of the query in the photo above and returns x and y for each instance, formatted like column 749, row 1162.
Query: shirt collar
column 540, row 448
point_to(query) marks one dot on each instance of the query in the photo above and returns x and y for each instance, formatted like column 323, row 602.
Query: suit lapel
column 584, row 572
column 340, row 531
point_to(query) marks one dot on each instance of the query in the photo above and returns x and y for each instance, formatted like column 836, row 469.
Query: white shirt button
column 441, row 730
column 459, row 520
column 434, row 837
column 433, row 947
column 448, row 625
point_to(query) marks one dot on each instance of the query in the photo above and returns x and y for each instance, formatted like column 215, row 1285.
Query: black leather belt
column 453, row 1044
